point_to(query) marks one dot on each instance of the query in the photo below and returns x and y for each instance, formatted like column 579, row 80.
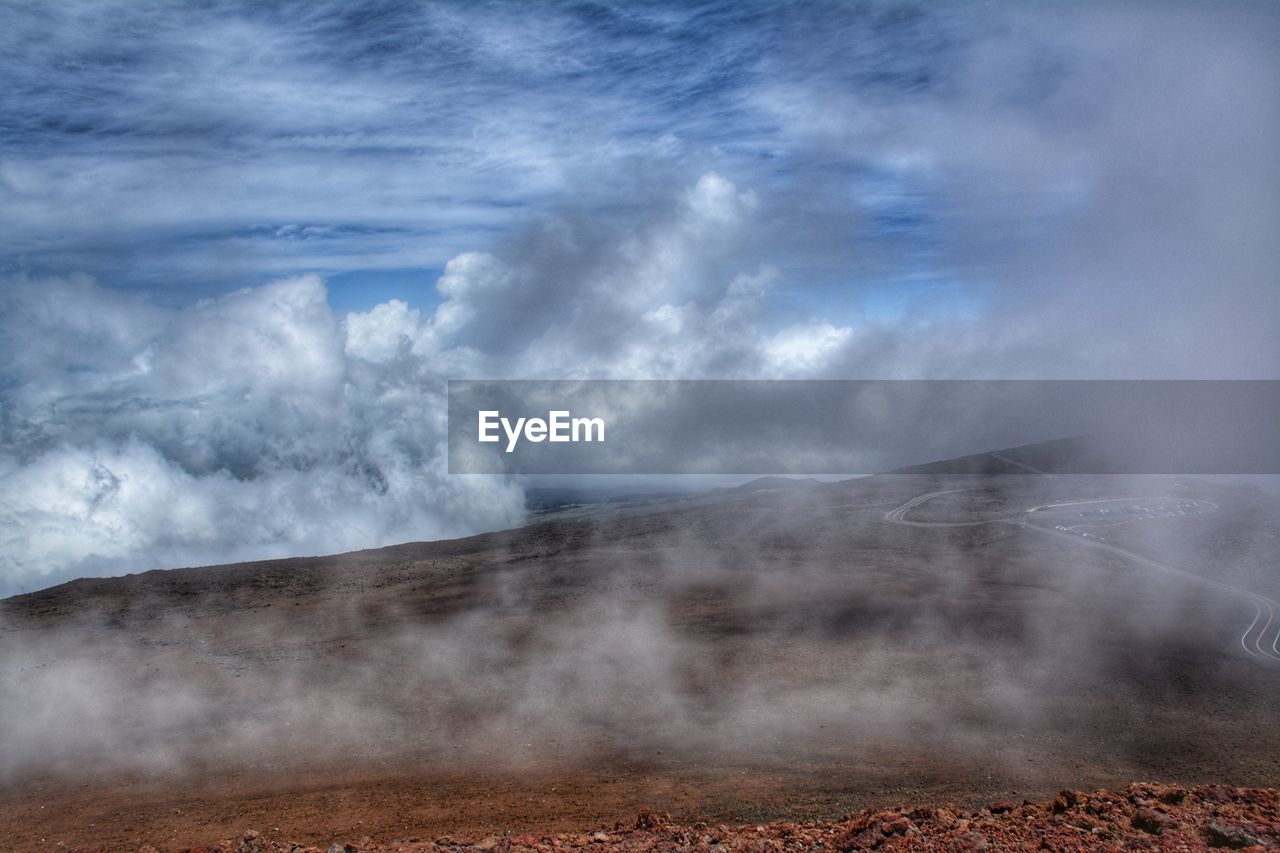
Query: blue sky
column 187, row 151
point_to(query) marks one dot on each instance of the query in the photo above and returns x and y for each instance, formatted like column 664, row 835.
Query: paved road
column 1260, row 640
column 899, row 515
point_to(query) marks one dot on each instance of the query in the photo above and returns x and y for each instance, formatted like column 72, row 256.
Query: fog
column 757, row 628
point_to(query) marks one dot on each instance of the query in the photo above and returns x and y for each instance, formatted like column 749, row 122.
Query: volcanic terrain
column 768, row 653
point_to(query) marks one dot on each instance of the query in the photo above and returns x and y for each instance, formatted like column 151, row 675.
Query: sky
column 243, row 245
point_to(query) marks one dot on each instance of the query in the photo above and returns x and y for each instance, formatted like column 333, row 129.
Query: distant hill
column 773, row 484
column 1075, row 455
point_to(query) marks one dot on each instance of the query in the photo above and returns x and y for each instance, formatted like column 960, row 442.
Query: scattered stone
column 896, row 827
column 1150, row 820
column 966, row 841
column 649, row 820
column 1218, row 834
column 251, row 842
column 1214, row 793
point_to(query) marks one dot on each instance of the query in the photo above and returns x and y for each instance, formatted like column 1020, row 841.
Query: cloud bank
column 261, row 424
column 244, row 427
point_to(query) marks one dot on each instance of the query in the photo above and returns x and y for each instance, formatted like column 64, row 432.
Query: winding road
column 1260, row 640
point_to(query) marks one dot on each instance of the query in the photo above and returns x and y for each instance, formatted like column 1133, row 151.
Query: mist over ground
column 763, row 628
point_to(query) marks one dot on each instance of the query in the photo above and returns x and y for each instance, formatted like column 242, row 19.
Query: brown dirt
column 1141, row 817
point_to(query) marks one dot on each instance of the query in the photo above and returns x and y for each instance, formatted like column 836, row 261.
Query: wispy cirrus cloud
column 183, row 149
column 167, row 140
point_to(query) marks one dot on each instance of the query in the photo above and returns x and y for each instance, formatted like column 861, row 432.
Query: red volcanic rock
column 652, row 820
column 1150, row 820
column 966, row 841
column 1143, row 816
column 1235, row 837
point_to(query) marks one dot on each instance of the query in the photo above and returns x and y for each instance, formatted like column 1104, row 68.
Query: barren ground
column 752, row 657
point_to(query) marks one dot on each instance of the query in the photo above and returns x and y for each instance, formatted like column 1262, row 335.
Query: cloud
column 657, row 290
column 396, row 136
column 260, row 424
column 1106, row 200
column 243, row 427
column 383, row 332
column 802, row 349
column 1058, row 156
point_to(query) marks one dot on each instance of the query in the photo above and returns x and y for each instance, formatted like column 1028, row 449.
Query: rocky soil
column 1141, row 817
